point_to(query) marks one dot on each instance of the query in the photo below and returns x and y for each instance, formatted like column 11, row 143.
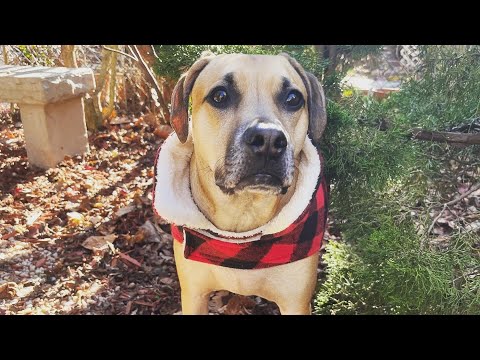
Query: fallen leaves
column 125, row 210
column 75, row 219
column 166, row 281
column 99, row 243
column 33, row 217
column 147, row 232
column 240, row 305
column 120, row 120
column 129, row 259
column 8, row 290
column 40, row 262
column 9, row 235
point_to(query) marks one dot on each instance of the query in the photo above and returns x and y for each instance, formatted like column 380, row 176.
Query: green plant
column 387, row 273
column 381, row 181
column 36, row 54
column 447, row 90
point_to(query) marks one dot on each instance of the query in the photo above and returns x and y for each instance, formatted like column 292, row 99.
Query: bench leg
column 53, row 131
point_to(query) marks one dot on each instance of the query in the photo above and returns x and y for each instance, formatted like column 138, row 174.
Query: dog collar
column 301, row 239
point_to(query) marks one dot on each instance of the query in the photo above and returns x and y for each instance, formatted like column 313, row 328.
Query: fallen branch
column 448, row 137
column 450, row 203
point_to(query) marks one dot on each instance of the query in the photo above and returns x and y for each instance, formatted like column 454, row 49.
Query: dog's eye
column 294, row 100
column 218, row 97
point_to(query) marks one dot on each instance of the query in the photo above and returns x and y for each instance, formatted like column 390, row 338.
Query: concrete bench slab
column 51, row 106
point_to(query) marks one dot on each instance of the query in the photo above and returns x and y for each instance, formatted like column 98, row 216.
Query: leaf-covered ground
column 81, row 238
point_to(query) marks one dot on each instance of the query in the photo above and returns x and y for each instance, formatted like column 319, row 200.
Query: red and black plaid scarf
column 298, row 241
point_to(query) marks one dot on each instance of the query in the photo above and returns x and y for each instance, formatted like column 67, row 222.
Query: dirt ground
column 49, row 262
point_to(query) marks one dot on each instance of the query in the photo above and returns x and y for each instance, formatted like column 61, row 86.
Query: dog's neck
column 239, row 212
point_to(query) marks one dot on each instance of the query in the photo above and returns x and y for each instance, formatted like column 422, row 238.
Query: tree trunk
column 332, row 59
column 93, row 105
column 321, row 51
column 5, row 55
column 68, row 57
column 112, row 83
column 327, row 53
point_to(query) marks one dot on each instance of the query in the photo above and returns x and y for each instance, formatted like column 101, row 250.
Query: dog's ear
column 317, row 116
column 181, row 96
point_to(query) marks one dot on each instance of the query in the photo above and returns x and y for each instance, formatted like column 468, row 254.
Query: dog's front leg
column 194, row 283
column 301, row 308
column 194, row 303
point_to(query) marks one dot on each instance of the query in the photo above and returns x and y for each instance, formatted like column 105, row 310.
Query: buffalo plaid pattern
column 298, row 241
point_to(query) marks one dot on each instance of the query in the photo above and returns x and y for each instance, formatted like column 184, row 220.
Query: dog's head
column 250, row 118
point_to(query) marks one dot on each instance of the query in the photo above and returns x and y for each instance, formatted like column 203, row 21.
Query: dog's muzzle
column 259, row 159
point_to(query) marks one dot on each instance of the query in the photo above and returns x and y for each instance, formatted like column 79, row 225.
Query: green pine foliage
column 379, row 176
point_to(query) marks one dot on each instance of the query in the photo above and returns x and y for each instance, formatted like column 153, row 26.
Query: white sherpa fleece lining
column 174, row 202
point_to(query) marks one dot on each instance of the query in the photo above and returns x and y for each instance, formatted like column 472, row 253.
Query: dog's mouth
column 259, row 182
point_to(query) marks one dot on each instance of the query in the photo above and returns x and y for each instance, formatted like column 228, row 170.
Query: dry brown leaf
column 438, row 230
column 99, row 243
column 473, row 226
column 40, row 262
column 166, row 281
column 75, row 218
column 128, row 308
column 139, row 302
column 125, row 210
column 129, row 259
column 95, row 219
column 9, row 235
column 120, row 120
column 463, row 188
column 218, row 300
column 8, row 290
column 146, row 232
column 33, row 217
column 239, row 305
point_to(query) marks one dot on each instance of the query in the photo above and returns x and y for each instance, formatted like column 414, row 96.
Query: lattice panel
column 410, row 56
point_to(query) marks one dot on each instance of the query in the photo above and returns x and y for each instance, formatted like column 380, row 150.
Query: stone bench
column 51, row 107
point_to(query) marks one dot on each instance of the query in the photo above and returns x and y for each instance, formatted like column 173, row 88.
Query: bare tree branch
column 450, row 203
column 154, row 52
column 152, row 76
column 121, row 52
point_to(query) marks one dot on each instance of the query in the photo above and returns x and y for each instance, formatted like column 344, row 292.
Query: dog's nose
column 266, row 140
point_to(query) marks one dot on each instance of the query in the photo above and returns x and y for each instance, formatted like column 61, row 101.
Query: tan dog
column 244, row 148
